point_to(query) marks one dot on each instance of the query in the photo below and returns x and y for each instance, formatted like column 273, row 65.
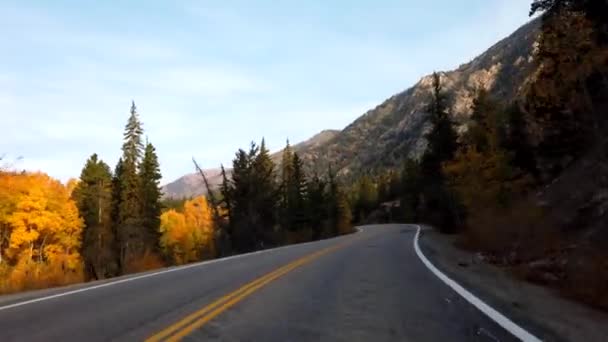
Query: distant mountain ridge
column 192, row 185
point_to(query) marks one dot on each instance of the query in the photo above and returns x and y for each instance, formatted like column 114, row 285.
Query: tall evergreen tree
column 131, row 234
column 242, row 237
column 225, row 219
column 253, row 196
column 440, row 206
column 331, row 202
column 317, row 198
column 265, row 200
column 442, row 138
column 116, row 194
column 297, row 196
column 286, row 180
column 93, row 196
column 149, row 174
column 411, row 190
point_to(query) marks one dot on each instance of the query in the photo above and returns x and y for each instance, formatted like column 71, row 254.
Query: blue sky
column 210, row 76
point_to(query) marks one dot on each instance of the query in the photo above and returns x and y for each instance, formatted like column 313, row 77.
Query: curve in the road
column 496, row 316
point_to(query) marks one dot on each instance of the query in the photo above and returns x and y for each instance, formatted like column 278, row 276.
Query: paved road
column 368, row 286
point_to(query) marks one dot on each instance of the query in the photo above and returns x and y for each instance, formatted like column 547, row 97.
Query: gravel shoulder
column 540, row 310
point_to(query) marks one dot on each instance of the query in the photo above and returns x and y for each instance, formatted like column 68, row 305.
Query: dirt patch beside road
column 540, row 310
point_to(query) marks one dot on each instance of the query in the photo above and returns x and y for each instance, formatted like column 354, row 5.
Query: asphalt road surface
column 368, row 286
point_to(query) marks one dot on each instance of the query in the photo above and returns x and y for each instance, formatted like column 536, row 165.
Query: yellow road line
column 205, row 314
column 171, row 329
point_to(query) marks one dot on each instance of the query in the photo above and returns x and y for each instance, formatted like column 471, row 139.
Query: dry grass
column 299, row 236
column 149, row 261
column 510, row 236
column 32, row 276
column 523, row 239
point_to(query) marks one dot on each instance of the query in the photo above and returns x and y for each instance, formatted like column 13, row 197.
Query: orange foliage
column 149, row 261
column 40, row 232
column 188, row 236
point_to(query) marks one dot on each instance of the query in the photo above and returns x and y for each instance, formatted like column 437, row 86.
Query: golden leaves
column 188, row 236
column 39, row 227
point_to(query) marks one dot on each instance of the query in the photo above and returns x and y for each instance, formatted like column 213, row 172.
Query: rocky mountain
column 386, row 135
column 191, row 185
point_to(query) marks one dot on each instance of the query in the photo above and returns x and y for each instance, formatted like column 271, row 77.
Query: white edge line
column 148, row 275
column 496, row 316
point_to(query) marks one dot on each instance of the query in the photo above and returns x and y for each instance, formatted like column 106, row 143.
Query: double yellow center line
column 195, row 320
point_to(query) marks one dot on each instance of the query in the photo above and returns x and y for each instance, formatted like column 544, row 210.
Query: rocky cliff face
column 394, row 130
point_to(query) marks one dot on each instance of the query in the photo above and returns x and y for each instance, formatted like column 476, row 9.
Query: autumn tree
column 41, row 232
column 343, row 213
column 198, row 215
column 565, row 99
column 482, row 172
column 93, row 196
column 188, row 236
column 175, row 242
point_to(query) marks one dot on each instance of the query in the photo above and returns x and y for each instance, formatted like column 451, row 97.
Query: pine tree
column 266, row 193
column 116, row 195
column 297, row 196
column 317, row 198
column 442, row 139
column 131, row 234
column 244, row 220
column 224, row 219
column 149, row 174
column 93, row 196
column 286, row 180
column 331, row 202
column 411, row 190
column 440, row 206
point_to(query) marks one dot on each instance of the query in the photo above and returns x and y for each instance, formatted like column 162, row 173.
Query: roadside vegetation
column 488, row 183
column 110, row 223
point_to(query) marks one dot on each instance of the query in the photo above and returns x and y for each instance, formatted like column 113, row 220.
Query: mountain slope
column 394, row 130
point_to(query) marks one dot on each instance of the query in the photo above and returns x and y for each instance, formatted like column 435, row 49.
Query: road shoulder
column 538, row 309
